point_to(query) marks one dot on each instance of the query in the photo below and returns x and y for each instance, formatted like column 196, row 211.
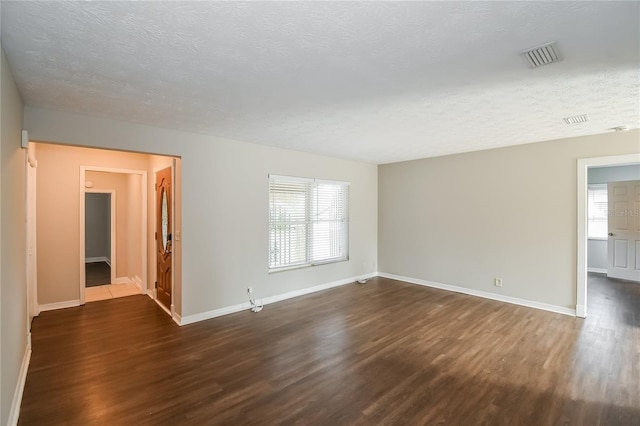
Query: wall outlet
column 497, row 282
column 249, row 290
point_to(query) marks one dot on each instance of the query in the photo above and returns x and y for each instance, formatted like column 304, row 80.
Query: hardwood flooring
column 385, row 352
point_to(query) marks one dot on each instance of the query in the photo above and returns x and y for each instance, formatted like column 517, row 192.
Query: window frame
column 311, row 219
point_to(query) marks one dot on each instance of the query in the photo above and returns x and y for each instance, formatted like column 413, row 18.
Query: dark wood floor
column 381, row 353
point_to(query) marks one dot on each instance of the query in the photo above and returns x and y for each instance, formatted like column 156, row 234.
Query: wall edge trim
column 14, row 413
column 190, row 319
column 484, row 294
column 59, row 305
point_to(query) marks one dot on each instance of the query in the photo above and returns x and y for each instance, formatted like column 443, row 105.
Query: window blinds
column 308, row 222
column 597, row 211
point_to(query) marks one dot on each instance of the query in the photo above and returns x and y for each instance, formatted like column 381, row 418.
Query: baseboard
column 190, row 319
column 580, row 311
column 483, row 294
column 22, row 378
column 59, row 305
column 597, row 270
column 122, row 280
column 164, row 308
column 137, row 281
column 304, row 291
column 177, row 318
column 97, row 259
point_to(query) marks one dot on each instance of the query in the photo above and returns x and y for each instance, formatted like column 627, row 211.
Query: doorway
column 100, row 237
column 584, row 165
column 127, row 260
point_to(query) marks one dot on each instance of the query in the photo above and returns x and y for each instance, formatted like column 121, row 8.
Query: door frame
column 31, row 165
column 583, row 168
column 154, row 216
column 143, row 223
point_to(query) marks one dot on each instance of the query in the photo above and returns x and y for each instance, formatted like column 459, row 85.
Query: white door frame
column 32, row 261
column 583, row 166
column 143, row 222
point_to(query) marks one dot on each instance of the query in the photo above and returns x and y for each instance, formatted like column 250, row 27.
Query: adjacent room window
column 308, row 222
column 597, row 211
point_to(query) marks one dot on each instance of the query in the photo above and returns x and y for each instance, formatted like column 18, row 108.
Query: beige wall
column 134, row 230
column 13, row 284
column 58, row 217
column 510, row 213
column 224, row 205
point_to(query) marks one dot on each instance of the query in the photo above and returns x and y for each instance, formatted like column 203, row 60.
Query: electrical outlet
column 497, row 282
column 249, row 290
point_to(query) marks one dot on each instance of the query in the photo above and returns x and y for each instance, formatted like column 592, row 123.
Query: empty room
column 320, row 213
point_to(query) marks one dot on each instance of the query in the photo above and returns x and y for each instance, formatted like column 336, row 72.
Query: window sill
column 306, row 265
column 597, row 238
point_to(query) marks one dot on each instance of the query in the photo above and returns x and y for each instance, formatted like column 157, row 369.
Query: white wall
column 13, row 284
column 596, row 255
column 224, row 205
column 614, row 174
column 465, row 219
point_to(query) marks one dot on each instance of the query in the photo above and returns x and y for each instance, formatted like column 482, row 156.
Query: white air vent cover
column 576, row 119
column 541, row 55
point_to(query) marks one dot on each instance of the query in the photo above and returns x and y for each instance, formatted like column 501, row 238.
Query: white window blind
column 308, row 222
column 597, row 211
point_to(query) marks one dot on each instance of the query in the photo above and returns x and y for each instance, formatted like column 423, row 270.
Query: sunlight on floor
column 110, row 291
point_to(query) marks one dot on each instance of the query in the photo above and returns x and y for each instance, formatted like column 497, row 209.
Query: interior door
column 623, row 243
column 164, row 222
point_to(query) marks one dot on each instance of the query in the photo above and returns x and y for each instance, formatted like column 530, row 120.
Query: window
column 597, row 223
column 308, row 222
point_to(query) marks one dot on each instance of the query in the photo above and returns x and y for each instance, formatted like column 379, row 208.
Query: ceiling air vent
column 541, row 55
column 577, row 119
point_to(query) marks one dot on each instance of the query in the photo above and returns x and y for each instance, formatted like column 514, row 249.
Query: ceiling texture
column 378, row 82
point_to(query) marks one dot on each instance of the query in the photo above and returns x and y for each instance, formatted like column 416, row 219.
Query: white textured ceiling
column 379, row 82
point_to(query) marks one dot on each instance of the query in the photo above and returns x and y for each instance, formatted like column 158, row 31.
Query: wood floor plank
column 385, row 352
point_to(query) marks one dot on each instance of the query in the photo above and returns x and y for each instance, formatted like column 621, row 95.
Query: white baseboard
column 190, row 319
column 137, row 281
column 164, row 308
column 122, row 280
column 22, row 378
column 597, row 270
column 484, row 294
column 97, row 259
column 177, row 318
column 59, row 305
column 580, row 311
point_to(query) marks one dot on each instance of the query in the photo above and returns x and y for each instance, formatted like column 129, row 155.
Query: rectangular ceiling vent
column 541, row 55
column 577, row 119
